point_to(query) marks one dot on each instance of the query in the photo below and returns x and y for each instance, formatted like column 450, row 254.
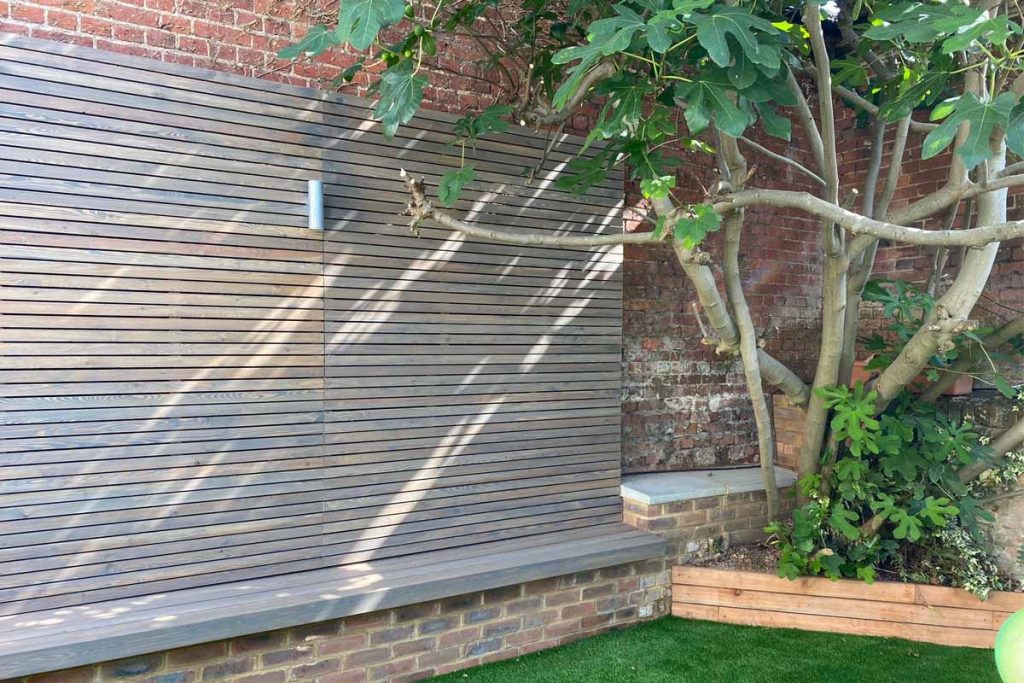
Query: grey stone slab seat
column 669, row 487
column 73, row 636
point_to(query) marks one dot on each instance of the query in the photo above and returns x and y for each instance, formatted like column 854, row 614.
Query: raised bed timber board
column 933, row 614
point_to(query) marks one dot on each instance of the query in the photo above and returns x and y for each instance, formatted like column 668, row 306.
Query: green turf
column 673, row 650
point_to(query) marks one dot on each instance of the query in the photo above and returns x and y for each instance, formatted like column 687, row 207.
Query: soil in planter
column 761, row 558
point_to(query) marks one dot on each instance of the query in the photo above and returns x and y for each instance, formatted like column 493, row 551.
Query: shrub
column 889, row 498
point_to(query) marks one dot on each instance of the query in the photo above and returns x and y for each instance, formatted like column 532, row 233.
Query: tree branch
column 694, row 263
column 952, row 310
column 1013, row 169
column 544, row 115
column 950, row 194
column 895, row 172
column 971, row 357
column 786, row 160
column 857, row 224
column 864, row 263
column 874, row 167
column 856, row 100
column 778, row 375
column 806, row 118
column 1010, row 440
column 836, row 267
column 823, row 77
column 732, row 230
column 420, row 208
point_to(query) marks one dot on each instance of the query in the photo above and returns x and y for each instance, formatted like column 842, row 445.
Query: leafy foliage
column 494, row 119
column 681, row 68
column 723, row 22
column 710, row 95
column 692, row 229
column 907, row 308
column 983, row 117
column 452, row 183
column 317, row 40
column 359, row 21
column 401, row 92
column 901, row 467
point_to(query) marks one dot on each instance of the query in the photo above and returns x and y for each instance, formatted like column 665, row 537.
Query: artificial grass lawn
column 674, row 650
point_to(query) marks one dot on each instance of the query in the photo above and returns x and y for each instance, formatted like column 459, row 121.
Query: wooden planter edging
column 933, row 614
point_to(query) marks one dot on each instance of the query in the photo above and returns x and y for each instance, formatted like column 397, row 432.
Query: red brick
column 561, row 628
column 259, row 642
column 342, row 644
column 439, row 657
column 266, row 677
column 197, row 654
column 580, row 609
column 412, row 647
column 227, row 669
column 392, row 635
column 63, row 20
column 367, row 657
column 286, row 656
column 28, row 13
column 561, row 598
column 80, row 675
column 392, row 669
column 459, row 637
column 524, row 637
column 362, row 622
column 312, row 672
column 351, row 676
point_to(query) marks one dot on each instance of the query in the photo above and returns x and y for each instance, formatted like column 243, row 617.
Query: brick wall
column 409, row 643
column 684, row 407
column 696, row 528
column 239, row 36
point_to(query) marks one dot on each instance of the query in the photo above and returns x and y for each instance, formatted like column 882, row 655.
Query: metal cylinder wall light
column 315, row 204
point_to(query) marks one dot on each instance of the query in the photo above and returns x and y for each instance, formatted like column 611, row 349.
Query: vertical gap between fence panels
column 318, row 223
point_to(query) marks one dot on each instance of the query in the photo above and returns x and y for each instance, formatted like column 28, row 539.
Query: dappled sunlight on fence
column 200, row 392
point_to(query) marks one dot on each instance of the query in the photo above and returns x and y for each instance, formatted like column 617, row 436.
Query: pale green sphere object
column 1010, row 649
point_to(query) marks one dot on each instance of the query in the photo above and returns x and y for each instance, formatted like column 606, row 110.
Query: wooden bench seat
column 63, row 638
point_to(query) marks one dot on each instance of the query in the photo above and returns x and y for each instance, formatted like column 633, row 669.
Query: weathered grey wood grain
column 197, row 390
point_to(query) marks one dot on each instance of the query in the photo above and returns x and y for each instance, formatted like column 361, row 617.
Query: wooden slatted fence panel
column 197, row 389
column 162, row 332
column 934, row 614
column 473, row 389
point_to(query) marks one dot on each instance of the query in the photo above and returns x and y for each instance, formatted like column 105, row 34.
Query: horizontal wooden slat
column 699, row 576
column 751, row 617
column 848, row 607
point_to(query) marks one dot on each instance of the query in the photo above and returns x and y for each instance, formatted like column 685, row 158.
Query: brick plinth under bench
column 699, row 513
column 409, row 643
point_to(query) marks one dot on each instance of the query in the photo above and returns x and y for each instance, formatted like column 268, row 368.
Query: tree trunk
column 732, row 229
